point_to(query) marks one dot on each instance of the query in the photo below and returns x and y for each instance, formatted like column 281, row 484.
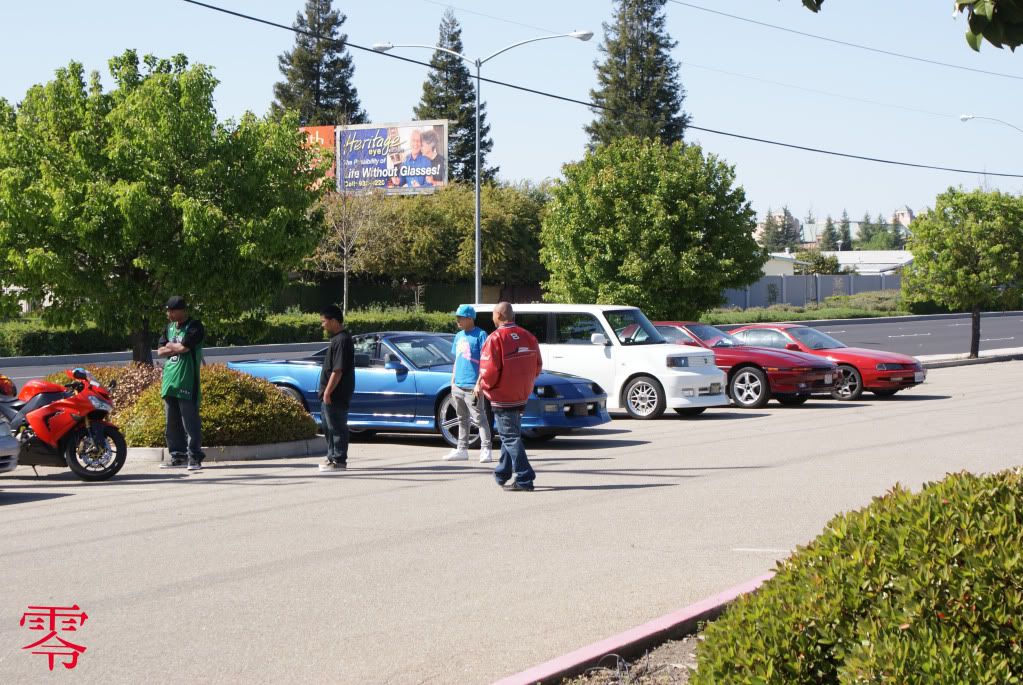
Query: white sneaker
column 457, row 455
column 486, row 454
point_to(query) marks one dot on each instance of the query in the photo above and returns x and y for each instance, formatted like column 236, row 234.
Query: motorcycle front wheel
column 91, row 461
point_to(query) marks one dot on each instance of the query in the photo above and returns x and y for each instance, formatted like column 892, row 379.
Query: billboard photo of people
column 392, row 158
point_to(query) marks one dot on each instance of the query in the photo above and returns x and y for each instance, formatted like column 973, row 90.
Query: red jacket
column 509, row 364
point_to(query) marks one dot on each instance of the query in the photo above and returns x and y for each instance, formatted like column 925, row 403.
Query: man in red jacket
column 509, row 365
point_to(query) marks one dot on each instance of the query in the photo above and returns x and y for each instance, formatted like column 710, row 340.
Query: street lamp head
column 382, row 47
column 582, row 35
column 966, row 117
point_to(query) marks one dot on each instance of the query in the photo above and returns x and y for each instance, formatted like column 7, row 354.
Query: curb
column 875, row 319
column 313, row 447
column 635, row 640
column 948, row 363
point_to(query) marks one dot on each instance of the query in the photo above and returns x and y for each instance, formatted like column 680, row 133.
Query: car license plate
column 828, row 378
column 919, row 376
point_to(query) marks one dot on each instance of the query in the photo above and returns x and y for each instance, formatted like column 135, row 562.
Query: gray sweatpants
column 468, row 410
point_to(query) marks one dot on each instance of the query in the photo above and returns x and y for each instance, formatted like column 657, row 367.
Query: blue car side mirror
column 394, row 366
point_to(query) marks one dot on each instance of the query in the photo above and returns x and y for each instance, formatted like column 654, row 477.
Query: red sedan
column 882, row 373
column 756, row 374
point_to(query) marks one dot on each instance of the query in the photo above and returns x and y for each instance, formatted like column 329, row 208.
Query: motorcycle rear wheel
column 81, row 455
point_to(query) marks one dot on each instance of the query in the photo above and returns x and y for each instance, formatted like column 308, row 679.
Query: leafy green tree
column 638, row 82
column 771, row 237
column 829, row 236
column 318, row 71
column 111, row 201
column 638, row 222
column 349, row 221
column 427, row 238
column 967, row 254
column 813, row 262
column 845, row 232
column 792, row 232
column 449, row 93
column 999, row 22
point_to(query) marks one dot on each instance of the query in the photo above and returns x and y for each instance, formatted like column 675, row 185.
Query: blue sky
column 739, row 78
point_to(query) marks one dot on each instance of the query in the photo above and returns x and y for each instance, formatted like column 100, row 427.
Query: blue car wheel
column 447, row 424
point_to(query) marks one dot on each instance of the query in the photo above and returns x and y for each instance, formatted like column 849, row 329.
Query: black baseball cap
column 177, row 302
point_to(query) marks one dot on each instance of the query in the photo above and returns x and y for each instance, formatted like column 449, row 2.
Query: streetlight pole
column 966, row 117
column 479, row 62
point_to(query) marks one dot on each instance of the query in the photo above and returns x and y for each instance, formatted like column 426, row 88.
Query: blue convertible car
column 402, row 384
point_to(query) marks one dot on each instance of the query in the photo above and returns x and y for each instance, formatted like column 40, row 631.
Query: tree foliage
column 318, row 70
column 845, row 232
column 111, row 201
column 813, row 262
column 829, row 236
column 348, row 223
column 781, row 231
column 999, row 22
column 449, row 93
column 639, row 91
column 967, row 254
column 638, row 222
column 429, row 238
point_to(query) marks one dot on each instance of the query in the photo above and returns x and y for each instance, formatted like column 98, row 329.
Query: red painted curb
column 635, row 639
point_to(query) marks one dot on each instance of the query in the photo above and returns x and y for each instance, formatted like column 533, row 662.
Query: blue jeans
column 513, row 452
column 184, row 430
column 335, row 428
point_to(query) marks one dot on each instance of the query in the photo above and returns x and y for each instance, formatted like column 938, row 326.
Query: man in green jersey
column 181, row 343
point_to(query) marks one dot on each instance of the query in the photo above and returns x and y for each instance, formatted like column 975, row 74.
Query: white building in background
column 903, row 215
column 780, row 264
column 873, row 262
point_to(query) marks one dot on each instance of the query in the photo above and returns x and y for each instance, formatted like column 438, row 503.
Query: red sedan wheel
column 850, row 385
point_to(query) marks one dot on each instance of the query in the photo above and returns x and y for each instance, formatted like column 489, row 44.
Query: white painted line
column 960, row 324
column 995, row 339
column 841, row 331
column 761, row 550
column 909, row 335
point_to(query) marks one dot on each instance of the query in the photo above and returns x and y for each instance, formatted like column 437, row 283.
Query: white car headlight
column 677, row 362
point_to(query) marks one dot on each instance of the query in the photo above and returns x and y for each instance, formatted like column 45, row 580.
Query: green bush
column 235, row 408
column 877, row 300
column 915, row 588
column 30, row 336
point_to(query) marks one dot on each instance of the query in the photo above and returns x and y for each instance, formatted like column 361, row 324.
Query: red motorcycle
column 66, row 426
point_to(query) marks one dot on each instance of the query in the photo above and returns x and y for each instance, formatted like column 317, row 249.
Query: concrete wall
column 800, row 290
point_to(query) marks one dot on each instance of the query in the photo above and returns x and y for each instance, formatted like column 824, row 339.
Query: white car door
column 571, row 351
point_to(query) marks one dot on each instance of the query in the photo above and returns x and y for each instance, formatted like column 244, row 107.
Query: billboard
column 396, row 159
column 323, row 138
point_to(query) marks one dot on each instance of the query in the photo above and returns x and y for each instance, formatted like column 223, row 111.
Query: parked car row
column 599, row 358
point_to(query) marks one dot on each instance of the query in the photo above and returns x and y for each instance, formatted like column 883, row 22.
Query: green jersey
column 181, row 372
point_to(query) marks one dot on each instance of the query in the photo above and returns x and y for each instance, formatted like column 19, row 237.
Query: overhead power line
column 847, row 44
column 593, row 105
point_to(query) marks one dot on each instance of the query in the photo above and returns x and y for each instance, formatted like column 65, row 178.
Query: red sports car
column 882, row 373
column 756, row 374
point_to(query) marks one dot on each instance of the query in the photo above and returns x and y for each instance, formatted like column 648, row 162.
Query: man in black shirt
column 337, row 383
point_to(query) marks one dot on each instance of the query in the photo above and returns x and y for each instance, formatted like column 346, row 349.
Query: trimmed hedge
column 915, row 588
column 30, row 337
column 235, row 409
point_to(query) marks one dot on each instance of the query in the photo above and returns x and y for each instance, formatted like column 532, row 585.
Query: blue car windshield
column 424, row 351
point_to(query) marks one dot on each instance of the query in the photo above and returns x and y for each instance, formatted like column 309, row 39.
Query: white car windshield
column 633, row 328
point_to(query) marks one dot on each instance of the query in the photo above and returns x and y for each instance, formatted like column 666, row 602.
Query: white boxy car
column 620, row 350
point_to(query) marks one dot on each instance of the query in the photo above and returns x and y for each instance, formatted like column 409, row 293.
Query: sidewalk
column 940, row 361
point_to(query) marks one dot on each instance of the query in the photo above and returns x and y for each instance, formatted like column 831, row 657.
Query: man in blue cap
column 469, row 405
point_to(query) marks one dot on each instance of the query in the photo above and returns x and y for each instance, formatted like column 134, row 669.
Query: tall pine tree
column 829, row 236
column 844, row 232
column 771, row 236
column 449, row 93
column 639, row 91
column 318, row 71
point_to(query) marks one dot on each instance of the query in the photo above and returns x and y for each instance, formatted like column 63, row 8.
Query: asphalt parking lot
column 407, row 569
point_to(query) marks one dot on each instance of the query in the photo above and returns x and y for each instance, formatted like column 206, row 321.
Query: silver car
column 8, row 448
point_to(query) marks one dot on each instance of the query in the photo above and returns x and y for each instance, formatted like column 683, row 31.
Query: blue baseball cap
column 466, row 310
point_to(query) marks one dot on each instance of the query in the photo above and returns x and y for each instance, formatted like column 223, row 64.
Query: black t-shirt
column 340, row 357
column 195, row 333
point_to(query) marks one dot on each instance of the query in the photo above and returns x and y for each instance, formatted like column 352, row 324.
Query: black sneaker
column 175, row 463
column 194, row 465
column 515, row 486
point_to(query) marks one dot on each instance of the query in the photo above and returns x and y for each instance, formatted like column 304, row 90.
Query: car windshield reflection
column 814, row 339
column 424, row 351
column 633, row 328
column 714, row 337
